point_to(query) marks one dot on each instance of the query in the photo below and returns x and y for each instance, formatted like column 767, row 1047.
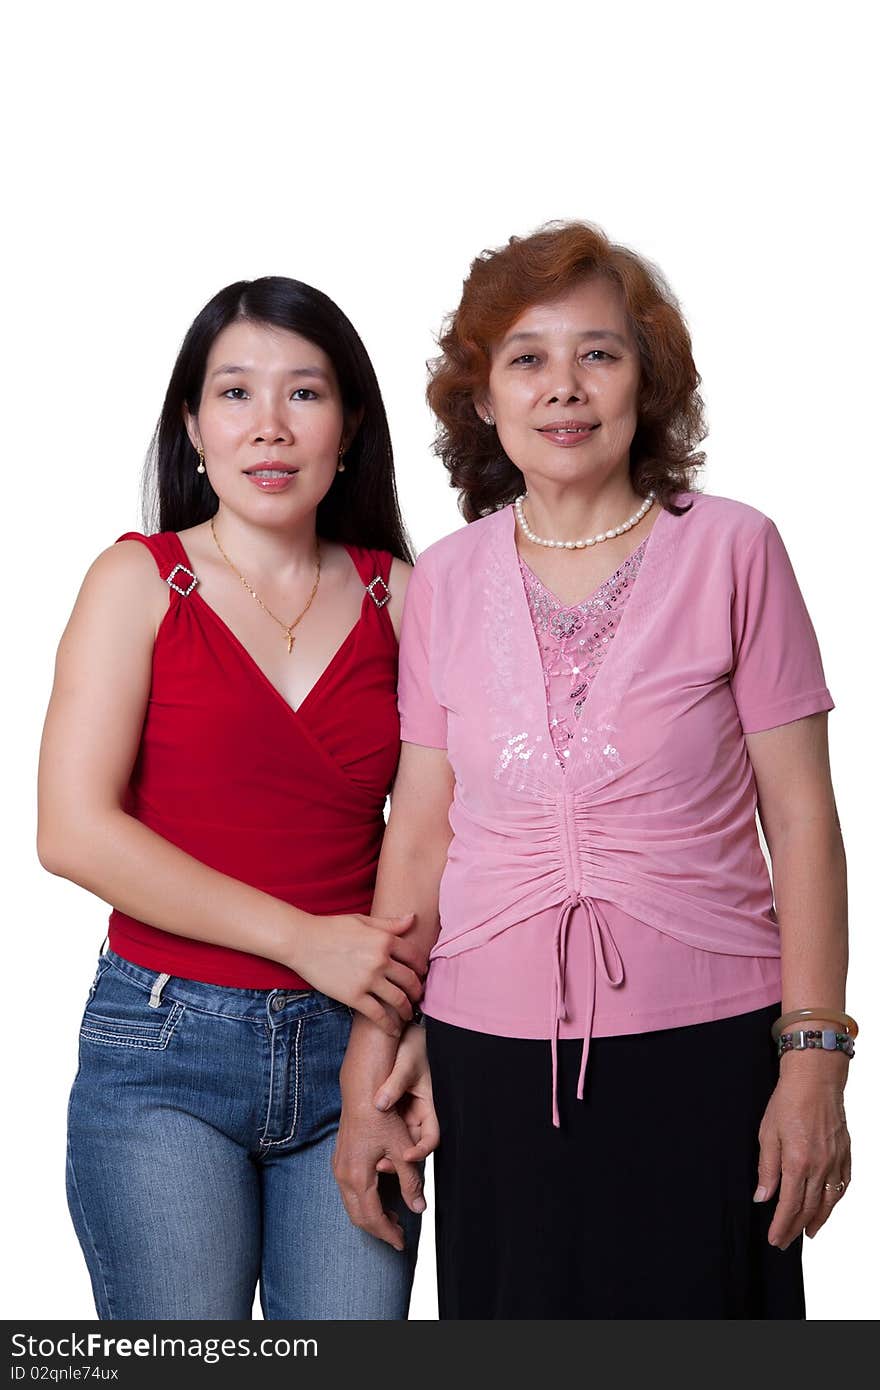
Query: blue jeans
column 200, row 1134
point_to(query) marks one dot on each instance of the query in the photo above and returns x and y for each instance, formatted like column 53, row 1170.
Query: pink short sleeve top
column 646, row 839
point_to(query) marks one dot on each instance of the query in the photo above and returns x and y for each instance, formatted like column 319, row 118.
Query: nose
column 273, row 433
column 271, row 427
column 567, row 388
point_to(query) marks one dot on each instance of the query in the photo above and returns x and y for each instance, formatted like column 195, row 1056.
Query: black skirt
column 639, row 1206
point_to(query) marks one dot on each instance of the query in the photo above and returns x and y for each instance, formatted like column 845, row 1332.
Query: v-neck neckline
column 250, row 659
column 634, row 606
column 591, row 597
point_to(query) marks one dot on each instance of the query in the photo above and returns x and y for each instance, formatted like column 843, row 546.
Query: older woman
column 602, row 678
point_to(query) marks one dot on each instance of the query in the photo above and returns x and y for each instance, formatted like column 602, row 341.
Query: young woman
column 638, row 1049
column 219, row 745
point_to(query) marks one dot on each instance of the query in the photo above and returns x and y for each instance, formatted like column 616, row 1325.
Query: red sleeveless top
column 288, row 801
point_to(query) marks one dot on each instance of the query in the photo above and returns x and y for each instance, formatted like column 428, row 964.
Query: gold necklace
column 287, row 628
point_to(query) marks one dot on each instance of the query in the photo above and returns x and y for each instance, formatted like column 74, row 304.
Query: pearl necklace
column 589, row 540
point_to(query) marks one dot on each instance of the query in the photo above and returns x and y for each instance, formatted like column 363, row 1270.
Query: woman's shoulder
column 132, row 558
column 398, row 583
column 161, row 549
column 123, row 578
column 461, row 545
column 399, row 572
column 723, row 517
column 383, row 574
column 373, row 563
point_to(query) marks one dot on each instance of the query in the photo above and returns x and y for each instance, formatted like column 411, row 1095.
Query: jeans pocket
column 118, row 1015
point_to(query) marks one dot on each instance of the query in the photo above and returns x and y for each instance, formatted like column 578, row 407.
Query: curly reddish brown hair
column 537, row 269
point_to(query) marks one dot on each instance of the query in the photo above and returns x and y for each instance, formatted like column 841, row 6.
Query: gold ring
column 835, row 1187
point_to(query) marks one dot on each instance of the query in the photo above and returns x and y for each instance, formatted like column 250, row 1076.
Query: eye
column 303, row 393
column 598, row 354
column 235, row 393
column 526, row 359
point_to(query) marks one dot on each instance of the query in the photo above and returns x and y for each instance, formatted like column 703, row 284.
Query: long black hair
column 361, row 506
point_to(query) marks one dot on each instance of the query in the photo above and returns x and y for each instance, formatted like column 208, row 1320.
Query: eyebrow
column 230, row 369
column 591, row 333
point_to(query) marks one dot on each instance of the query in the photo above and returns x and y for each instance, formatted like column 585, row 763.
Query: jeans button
column 278, row 1003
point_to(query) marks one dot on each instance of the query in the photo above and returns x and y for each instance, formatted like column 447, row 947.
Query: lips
column 270, row 470
column 568, row 427
column 567, row 433
column 270, row 476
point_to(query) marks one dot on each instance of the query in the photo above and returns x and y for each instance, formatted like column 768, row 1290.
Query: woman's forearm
column 143, row 875
column 409, row 872
column 809, row 880
column 410, row 868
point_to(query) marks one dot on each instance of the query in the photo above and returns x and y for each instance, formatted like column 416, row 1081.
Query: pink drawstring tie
column 603, row 943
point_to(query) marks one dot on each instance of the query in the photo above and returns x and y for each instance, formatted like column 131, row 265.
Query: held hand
column 805, row 1142
column 363, row 962
column 408, row 1089
column 365, row 1140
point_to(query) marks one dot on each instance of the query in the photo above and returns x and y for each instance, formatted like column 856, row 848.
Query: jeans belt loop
column 156, row 992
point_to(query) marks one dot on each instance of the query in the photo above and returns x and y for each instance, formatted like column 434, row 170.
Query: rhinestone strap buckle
column 379, row 602
column 171, row 584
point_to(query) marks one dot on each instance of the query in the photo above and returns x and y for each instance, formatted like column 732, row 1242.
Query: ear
column 353, row 421
column 191, row 426
column 483, row 406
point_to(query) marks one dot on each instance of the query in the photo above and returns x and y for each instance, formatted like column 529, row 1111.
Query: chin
column 568, row 471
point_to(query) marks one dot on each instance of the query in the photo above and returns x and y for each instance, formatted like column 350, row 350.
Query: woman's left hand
column 805, row 1142
column 408, row 1088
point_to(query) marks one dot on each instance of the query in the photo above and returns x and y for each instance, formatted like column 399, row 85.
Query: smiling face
column 563, row 387
column 270, row 422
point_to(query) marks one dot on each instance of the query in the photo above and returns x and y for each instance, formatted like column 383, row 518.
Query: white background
column 154, row 154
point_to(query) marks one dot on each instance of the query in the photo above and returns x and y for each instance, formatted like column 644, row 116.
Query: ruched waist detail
column 570, row 854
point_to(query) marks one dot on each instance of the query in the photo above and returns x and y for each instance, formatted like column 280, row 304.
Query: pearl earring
column 340, row 467
column 201, row 467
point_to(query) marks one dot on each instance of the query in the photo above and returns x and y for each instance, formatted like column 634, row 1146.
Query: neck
column 273, row 551
column 569, row 511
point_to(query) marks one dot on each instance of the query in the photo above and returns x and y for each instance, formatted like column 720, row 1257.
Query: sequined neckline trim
column 574, row 641
column 598, row 601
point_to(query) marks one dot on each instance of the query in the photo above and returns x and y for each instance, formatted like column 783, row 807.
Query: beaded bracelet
column 825, row 1038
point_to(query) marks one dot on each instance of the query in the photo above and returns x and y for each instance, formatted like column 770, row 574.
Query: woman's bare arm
column 804, row 1140
column 90, row 741
column 412, row 861
column 799, row 818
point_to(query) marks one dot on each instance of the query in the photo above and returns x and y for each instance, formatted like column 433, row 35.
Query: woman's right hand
column 363, row 962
